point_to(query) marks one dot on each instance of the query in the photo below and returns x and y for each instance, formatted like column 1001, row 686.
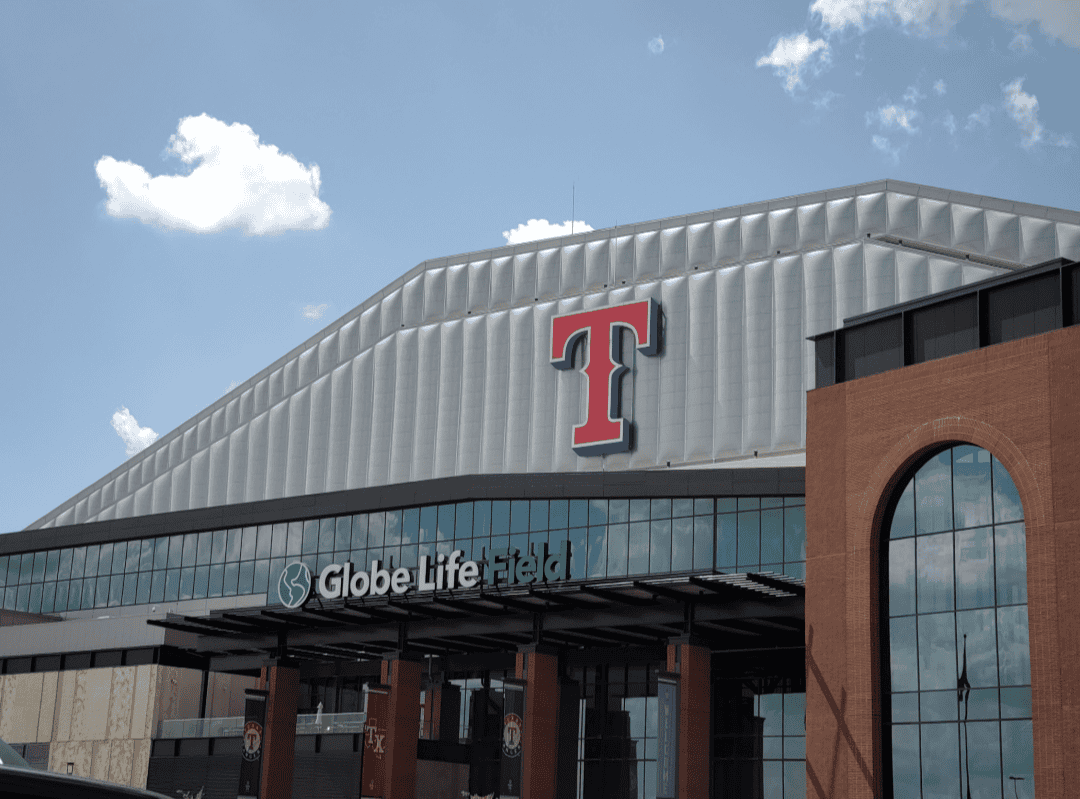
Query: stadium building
column 772, row 501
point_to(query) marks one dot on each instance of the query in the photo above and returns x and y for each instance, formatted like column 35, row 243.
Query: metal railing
column 233, row 726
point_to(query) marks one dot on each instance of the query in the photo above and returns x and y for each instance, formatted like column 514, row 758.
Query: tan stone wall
column 103, row 720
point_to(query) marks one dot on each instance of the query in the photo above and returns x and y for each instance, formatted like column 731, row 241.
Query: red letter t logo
column 603, row 432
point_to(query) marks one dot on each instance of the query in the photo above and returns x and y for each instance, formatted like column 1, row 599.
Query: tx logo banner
column 603, row 432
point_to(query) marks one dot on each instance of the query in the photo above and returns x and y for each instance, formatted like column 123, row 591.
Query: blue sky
column 434, row 129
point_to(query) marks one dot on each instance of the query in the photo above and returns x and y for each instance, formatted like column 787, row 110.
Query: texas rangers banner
column 252, row 745
column 373, row 769
column 667, row 745
column 513, row 731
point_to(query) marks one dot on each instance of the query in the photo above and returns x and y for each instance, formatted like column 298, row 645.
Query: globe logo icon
column 294, row 586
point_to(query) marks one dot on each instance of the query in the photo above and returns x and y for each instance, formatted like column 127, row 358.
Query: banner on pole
column 667, row 745
column 376, row 725
column 513, row 733
column 251, row 750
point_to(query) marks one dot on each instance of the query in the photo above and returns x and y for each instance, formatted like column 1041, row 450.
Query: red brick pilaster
column 404, row 727
column 279, row 745
column 693, row 663
column 539, row 667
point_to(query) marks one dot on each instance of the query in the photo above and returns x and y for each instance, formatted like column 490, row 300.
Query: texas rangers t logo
column 603, row 432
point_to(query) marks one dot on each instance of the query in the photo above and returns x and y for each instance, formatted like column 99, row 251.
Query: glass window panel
column 1011, row 560
column 202, row 582
column 78, row 565
column 247, row 577
column 75, row 595
column 232, row 574
column 202, row 548
column 105, row 559
column 1007, row 507
column 161, row 552
column 579, row 512
column 481, row 519
column 975, row 568
column 597, row 511
column 772, row 535
column 11, row 594
column 172, row 585
column 295, row 543
column 1013, row 646
column 617, row 550
column 442, row 516
column 770, row 709
column 392, row 536
column 262, row 547
column 37, row 570
column 34, row 605
column 146, row 555
column 749, row 539
column 131, row 562
column 726, row 540
column 578, row 537
column 795, row 749
column 795, row 714
column 116, row 591
column 377, row 529
column 311, row 537
column 682, row 543
column 971, row 486
column 3, row 570
column 63, row 572
column 191, row 547
column 52, row 562
column 142, row 593
column 359, row 532
column 982, row 703
column 176, row 551
column 217, row 549
column 703, row 506
column 934, row 572
column 639, row 550
column 905, row 757
column 101, row 595
column 463, row 520
column 902, row 577
column 48, row 597
column 682, row 507
column 558, row 514
column 772, row 502
column 187, row 582
column 727, row 505
column 980, row 747
column 519, row 516
column 157, row 586
column 938, row 706
column 797, row 569
column 60, row 605
column 772, row 774
column 327, row 530
column 660, row 508
column 933, row 495
column 279, row 540
column 217, row 576
column 639, row 510
column 902, row 651
column 91, row 567
column 277, row 566
column 795, row 534
column 410, row 553
column 703, row 542
column 1017, row 758
column 597, row 551
column 937, row 651
column 940, row 760
column 903, row 521
column 749, row 503
column 1015, row 703
column 905, row 707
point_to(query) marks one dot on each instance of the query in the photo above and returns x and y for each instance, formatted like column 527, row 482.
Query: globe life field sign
column 344, row 580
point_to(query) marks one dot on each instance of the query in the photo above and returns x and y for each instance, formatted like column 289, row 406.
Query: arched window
column 958, row 698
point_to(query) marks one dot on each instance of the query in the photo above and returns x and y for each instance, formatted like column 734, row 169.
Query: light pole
column 1015, row 780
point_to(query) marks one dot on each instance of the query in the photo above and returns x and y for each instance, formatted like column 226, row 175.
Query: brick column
column 693, row 663
column 283, row 683
column 403, row 730
column 539, row 667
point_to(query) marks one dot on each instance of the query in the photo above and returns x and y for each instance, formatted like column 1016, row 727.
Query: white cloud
column 314, row 312
column 1058, row 19
column 824, row 102
column 236, row 182
column 950, row 123
column 913, row 95
column 536, row 229
column 1021, row 43
column 791, row 55
column 980, row 117
column 135, row 438
column 1023, row 108
column 883, row 144
column 939, row 87
column 895, row 116
column 656, row 46
column 925, row 16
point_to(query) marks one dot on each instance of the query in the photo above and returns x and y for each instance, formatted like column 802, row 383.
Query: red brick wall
column 1019, row 400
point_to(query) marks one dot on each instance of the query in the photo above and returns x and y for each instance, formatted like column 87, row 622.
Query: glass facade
column 960, row 676
column 609, row 538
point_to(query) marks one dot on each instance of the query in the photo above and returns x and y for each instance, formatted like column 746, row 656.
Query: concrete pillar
column 403, row 676
column 283, row 684
column 693, row 663
column 538, row 666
